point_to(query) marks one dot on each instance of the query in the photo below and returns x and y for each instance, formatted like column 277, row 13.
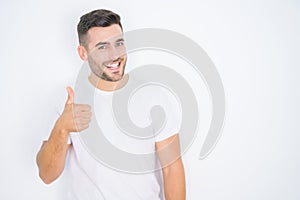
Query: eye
column 120, row 43
column 101, row 47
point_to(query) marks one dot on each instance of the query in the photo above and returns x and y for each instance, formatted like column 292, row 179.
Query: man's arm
column 172, row 167
column 52, row 155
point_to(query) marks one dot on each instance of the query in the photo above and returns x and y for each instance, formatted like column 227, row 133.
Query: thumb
column 70, row 96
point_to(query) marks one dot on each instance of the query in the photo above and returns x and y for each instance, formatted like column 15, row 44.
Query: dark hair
column 96, row 18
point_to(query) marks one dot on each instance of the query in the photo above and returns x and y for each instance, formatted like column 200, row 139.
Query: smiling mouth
column 113, row 67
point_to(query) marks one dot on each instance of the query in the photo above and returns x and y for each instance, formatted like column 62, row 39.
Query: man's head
column 102, row 44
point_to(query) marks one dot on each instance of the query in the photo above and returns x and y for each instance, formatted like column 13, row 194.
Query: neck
column 107, row 85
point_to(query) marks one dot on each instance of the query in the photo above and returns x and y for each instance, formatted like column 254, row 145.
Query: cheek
column 95, row 66
column 100, row 60
column 100, row 57
column 121, row 51
column 124, row 58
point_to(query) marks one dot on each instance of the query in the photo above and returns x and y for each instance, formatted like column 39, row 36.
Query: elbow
column 47, row 173
column 44, row 176
column 49, row 177
column 46, row 179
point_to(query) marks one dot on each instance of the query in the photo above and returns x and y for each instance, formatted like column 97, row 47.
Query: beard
column 100, row 72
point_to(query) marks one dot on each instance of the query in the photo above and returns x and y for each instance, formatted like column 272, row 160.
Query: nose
column 114, row 54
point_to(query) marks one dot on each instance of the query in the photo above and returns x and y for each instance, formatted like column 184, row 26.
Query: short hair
column 96, row 18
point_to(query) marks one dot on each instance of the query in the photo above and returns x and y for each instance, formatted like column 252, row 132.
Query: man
column 102, row 45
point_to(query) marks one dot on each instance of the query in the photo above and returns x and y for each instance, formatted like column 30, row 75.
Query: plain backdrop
column 254, row 44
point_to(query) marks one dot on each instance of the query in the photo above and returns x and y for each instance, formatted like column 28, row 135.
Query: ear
column 82, row 52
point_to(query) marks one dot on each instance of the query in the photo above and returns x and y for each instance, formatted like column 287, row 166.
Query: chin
column 115, row 79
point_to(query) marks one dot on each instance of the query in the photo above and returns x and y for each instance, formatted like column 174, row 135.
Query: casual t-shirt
column 91, row 179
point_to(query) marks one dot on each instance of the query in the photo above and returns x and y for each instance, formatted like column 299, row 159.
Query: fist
column 75, row 117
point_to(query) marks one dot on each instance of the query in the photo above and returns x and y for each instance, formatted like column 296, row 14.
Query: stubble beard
column 100, row 73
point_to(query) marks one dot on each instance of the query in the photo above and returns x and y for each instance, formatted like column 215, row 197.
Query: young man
column 102, row 46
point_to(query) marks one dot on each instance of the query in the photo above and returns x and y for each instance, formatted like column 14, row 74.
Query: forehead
column 101, row 34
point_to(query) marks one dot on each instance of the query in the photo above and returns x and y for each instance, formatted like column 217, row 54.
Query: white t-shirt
column 89, row 179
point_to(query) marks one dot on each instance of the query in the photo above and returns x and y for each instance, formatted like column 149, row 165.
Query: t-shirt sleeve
column 173, row 115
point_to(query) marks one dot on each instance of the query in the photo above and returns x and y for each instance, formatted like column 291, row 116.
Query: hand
column 75, row 117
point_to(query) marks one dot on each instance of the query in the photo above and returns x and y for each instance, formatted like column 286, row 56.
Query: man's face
column 106, row 52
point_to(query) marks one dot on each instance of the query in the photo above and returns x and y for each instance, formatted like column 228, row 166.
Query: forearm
column 52, row 155
column 174, row 181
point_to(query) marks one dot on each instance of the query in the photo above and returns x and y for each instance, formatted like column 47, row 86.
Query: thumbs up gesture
column 75, row 117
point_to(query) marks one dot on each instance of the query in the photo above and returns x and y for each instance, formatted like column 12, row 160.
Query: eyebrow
column 103, row 43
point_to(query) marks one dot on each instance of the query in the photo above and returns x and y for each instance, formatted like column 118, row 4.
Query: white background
column 255, row 46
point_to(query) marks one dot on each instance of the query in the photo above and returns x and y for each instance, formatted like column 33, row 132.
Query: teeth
column 114, row 65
